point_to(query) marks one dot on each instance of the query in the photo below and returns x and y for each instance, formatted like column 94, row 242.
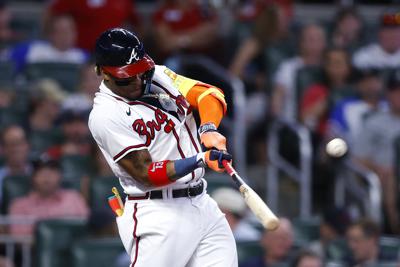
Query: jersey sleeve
column 116, row 136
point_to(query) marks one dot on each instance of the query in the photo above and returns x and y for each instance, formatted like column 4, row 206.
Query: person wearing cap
column 232, row 204
column 142, row 120
column 374, row 148
column 383, row 54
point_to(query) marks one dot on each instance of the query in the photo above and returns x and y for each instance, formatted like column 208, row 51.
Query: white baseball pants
column 177, row 232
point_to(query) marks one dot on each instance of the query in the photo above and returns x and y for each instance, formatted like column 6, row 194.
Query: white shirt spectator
column 373, row 56
column 286, row 77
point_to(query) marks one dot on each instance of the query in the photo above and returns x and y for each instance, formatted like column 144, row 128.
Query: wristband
column 157, row 173
column 207, row 127
column 187, row 165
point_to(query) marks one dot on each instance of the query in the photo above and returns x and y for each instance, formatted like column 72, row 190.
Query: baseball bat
column 267, row 218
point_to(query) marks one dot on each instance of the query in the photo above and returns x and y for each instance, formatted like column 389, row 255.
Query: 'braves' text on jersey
column 164, row 115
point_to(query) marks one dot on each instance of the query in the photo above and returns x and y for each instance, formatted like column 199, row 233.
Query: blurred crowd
column 338, row 76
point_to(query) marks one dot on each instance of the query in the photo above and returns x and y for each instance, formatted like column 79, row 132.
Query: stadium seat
column 217, row 180
column 66, row 74
column 41, row 140
column 390, row 247
column 306, row 230
column 54, row 239
column 100, row 190
column 7, row 72
column 337, row 250
column 247, row 250
column 97, row 252
column 13, row 187
column 74, row 167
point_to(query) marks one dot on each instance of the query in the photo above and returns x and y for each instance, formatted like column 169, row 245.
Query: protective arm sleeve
column 209, row 101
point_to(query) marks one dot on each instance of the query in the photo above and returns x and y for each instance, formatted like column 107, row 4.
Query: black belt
column 176, row 193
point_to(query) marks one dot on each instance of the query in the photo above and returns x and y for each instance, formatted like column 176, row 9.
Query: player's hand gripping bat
column 255, row 203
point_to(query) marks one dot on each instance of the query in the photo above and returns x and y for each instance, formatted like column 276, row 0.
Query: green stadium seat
column 337, row 250
column 73, row 168
column 248, row 249
column 97, row 252
column 54, row 239
column 41, row 140
column 66, row 74
column 13, row 187
column 7, row 72
column 217, row 180
column 387, row 264
column 390, row 246
column 100, row 190
column 306, row 230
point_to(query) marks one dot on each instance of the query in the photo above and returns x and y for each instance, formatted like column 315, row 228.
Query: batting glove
column 213, row 159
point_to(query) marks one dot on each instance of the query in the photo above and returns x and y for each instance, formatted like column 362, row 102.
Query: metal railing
column 302, row 174
column 346, row 182
column 238, row 129
column 14, row 242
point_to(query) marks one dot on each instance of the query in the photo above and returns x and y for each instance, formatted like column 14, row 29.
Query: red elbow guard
column 157, row 173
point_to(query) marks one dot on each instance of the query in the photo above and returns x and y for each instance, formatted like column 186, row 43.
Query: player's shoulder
column 166, row 79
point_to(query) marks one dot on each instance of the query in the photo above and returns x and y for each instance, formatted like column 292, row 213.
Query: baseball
column 336, row 148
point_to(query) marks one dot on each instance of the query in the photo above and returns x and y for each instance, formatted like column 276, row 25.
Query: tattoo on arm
column 136, row 164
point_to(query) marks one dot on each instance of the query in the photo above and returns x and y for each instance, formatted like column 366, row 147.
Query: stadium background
column 253, row 50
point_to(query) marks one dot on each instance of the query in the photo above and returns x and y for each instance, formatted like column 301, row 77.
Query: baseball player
column 142, row 120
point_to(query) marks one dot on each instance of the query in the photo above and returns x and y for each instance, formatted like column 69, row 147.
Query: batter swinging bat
column 255, row 203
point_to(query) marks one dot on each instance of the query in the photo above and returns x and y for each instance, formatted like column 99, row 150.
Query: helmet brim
column 127, row 71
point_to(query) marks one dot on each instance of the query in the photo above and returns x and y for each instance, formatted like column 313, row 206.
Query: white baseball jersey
column 161, row 122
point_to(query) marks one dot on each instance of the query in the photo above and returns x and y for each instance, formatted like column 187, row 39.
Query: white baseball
column 336, row 148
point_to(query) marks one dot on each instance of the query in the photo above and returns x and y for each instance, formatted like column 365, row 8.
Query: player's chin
column 133, row 93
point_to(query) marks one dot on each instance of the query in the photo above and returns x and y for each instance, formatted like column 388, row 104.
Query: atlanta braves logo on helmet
column 134, row 56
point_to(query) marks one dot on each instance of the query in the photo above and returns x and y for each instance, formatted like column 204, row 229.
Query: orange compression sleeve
column 210, row 108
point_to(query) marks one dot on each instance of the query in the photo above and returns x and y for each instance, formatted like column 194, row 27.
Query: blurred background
column 295, row 74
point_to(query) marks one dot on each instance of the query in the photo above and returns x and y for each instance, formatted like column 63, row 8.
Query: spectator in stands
column 59, row 46
column 284, row 97
column 385, row 53
column 232, row 204
column 307, row 258
column 88, row 86
column 15, row 148
column 94, row 17
column 6, row 262
column 185, row 26
column 46, row 96
column 363, row 241
column 277, row 246
column 76, row 136
column 333, row 226
column 271, row 27
column 319, row 98
column 348, row 116
column 374, row 148
column 46, row 199
column 347, row 29
column 7, row 36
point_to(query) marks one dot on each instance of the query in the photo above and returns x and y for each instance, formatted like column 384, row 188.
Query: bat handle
column 228, row 167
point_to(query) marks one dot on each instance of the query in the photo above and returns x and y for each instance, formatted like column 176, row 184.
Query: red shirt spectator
column 93, row 17
column 184, row 25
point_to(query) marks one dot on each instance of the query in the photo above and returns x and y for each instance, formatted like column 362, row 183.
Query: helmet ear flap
column 97, row 70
